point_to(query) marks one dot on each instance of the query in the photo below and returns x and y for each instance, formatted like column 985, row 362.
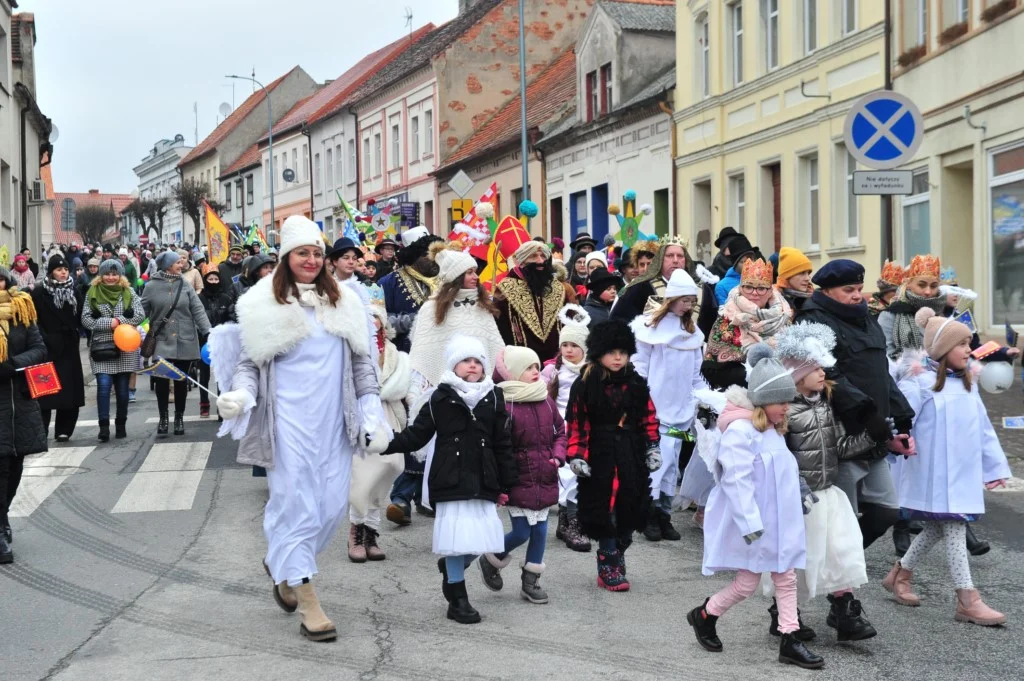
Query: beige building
column 759, row 116
column 960, row 62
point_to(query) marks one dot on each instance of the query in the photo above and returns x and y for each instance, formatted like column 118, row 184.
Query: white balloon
column 996, row 377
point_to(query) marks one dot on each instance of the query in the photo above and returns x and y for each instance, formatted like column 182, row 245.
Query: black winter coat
column 21, row 424
column 219, row 305
column 861, row 372
column 599, row 311
column 60, row 330
column 632, row 301
column 473, row 454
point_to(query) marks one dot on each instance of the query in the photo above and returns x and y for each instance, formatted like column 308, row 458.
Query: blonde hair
column 686, row 321
column 761, row 422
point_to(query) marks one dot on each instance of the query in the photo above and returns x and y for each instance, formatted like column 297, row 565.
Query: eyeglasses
column 760, row 290
column 306, row 255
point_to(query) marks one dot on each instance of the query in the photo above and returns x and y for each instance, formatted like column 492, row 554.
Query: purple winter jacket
column 538, row 435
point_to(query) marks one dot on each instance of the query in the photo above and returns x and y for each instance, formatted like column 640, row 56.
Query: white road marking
column 167, row 480
column 44, row 474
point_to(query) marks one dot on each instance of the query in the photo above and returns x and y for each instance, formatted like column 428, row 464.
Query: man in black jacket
column 672, row 255
column 865, row 394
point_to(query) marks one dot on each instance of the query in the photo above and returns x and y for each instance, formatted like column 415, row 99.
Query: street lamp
column 522, row 104
column 270, row 148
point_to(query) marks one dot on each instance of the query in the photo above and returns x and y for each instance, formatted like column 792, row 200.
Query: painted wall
column 290, row 198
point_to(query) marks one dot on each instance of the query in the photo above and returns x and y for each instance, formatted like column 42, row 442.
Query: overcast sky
column 118, row 75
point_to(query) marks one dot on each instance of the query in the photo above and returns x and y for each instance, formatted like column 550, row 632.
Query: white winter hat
column 453, row 264
column 575, row 326
column 464, row 347
column 122, row 251
column 411, row 236
column 299, row 230
column 681, row 284
column 596, row 255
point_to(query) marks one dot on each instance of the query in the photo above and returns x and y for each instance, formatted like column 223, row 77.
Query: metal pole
column 270, row 140
column 522, row 102
column 886, row 200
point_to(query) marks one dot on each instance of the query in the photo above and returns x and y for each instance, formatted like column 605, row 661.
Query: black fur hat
column 613, row 334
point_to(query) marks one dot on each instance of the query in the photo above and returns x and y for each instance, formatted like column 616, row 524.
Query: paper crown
column 756, row 272
column 376, row 295
column 924, row 266
column 947, row 275
column 674, row 240
column 893, row 273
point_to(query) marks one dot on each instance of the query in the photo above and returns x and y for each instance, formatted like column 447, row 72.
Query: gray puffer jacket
column 819, row 441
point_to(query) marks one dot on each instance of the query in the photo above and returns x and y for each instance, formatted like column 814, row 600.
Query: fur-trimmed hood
column 395, row 375
column 269, row 329
column 737, row 395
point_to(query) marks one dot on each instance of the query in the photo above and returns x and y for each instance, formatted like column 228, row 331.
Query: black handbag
column 148, row 348
column 104, row 351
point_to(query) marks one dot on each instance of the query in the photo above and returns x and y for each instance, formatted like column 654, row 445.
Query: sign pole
column 522, row 104
column 886, row 200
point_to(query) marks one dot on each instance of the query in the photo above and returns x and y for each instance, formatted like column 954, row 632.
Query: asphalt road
column 144, row 562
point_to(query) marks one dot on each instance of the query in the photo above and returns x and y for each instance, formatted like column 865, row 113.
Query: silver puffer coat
column 819, row 441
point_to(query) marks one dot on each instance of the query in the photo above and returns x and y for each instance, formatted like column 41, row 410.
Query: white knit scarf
column 471, row 393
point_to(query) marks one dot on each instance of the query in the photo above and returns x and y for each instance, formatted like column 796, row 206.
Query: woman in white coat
column 669, row 349
column 307, row 384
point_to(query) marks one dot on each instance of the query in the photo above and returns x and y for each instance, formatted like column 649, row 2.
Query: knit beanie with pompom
column 769, row 381
column 941, row 334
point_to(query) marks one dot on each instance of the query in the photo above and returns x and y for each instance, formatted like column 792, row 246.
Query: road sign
column 461, row 184
column 877, row 182
column 883, row 129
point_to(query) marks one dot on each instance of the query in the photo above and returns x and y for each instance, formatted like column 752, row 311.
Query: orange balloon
column 127, row 338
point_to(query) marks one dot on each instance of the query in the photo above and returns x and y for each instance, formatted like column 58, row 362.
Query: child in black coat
column 613, row 446
column 470, row 470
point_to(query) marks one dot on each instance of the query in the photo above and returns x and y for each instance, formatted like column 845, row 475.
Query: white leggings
column 371, row 518
column 954, row 533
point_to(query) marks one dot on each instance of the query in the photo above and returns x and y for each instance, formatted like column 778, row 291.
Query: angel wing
column 702, row 472
column 225, row 348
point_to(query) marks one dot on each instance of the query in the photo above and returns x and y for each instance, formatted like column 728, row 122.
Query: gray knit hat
column 769, row 382
column 166, row 259
column 111, row 265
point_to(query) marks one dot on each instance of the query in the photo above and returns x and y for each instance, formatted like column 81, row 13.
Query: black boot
column 459, row 608
column 804, row 633
column 161, row 427
column 901, row 537
column 5, row 529
column 104, row 435
column 793, row 651
column 847, row 619
column 703, row 624
column 653, row 530
column 442, row 567
column 119, row 432
column 563, row 516
column 975, row 546
column 179, row 424
column 6, row 553
column 667, row 531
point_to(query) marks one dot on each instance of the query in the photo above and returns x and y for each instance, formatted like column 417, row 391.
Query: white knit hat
column 596, row 255
column 464, row 347
column 453, row 264
column 299, row 230
column 575, row 329
column 681, row 284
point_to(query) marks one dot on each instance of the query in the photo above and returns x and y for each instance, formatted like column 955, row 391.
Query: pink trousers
column 746, row 583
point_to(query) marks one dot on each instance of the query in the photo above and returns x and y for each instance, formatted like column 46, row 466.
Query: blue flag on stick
column 163, row 369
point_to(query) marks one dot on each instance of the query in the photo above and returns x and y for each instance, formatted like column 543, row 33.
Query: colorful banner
column 218, row 238
column 163, row 369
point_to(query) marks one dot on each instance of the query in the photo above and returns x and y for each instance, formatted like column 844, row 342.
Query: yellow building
column 762, row 89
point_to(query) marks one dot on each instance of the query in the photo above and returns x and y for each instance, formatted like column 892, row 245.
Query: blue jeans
column 120, row 384
column 522, row 532
column 407, row 488
column 456, row 566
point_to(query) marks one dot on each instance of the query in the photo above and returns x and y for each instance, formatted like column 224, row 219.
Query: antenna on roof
column 408, row 21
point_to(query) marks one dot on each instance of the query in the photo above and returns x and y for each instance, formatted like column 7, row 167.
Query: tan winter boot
column 356, row 548
column 315, row 624
column 897, row 582
column 970, row 608
column 284, row 595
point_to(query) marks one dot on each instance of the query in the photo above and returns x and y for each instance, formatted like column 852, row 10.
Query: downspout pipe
column 24, row 169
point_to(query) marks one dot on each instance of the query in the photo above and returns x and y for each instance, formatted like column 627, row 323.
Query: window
column 295, row 163
column 955, row 12
column 266, row 178
column 352, row 160
column 328, row 170
column 738, row 200
column 317, row 185
column 704, row 56
column 770, row 33
column 337, row 165
column 366, row 159
column 1007, row 229
column 916, row 221
column 606, row 89
column 591, row 93
column 5, row 54
column 414, row 135
column 915, row 23
column 277, row 171
column 428, row 131
column 238, row 193
column 850, row 16
column 517, row 196
column 809, row 216
column 305, row 163
column 811, row 25
column 376, row 155
column 852, row 216
column 227, row 196
column 249, row 188
column 735, row 13
column 396, row 140
column 67, row 215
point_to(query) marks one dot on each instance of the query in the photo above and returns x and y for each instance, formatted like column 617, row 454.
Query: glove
column 752, row 537
column 234, row 402
column 6, row 369
column 879, row 428
column 580, row 468
column 653, row 458
column 809, row 498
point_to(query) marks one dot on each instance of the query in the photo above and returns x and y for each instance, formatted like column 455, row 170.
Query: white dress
column 309, row 483
column 566, row 376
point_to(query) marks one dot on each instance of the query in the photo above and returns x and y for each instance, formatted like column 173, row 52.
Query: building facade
column 158, row 176
column 241, row 190
column 952, row 60
column 759, row 124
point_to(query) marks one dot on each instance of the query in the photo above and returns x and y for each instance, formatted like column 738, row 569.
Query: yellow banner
column 218, row 239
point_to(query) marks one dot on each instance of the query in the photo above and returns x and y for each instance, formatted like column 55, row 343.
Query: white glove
column 653, row 459
column 234, row 402
column 580, row 467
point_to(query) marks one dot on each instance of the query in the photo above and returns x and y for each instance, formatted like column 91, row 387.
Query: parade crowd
column 795, row 415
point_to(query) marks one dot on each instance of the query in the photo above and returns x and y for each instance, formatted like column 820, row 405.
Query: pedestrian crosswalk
column 189, row 418
column 167, row 480
column 43, row 475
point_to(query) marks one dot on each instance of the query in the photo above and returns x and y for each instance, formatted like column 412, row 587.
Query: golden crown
column 924, row 266
column 674, row 240
column 756, row 272
column 893, row 273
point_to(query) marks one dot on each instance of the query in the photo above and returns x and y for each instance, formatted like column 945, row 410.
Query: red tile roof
column 231, row 122
column 251, row 157
column 548, row 95
column 333, row 96
column 91, row 198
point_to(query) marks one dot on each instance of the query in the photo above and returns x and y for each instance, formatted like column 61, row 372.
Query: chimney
column 94, row 191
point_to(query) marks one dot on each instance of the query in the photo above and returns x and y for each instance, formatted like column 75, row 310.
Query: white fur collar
column 270, row 329
column 738, row 395
column 668, row 332
column 396, row 376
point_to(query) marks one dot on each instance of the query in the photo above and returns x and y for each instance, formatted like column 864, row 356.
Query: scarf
column 906, row 334
column 756, row 322
column 308, row 297
column 416, row 294
column 518, row 391
column 465, row 297
column 572, row 367
column 17, row 307
column 733, row 412
column 62, row 292
column 20, row 265
column 471, row 393
column 167, row 276
column 849, row 313
column 102, row 294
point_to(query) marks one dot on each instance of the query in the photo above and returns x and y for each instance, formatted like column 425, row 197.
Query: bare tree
column 92, row 221
column 189, row 197
column 137, row 210
column 155, row 210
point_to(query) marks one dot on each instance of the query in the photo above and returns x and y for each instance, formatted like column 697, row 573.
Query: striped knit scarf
column 15, row 307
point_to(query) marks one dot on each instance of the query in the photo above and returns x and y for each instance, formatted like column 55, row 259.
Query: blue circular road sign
column 883, row 129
